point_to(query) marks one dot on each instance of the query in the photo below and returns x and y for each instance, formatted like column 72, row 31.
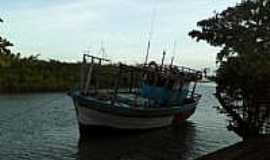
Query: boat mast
column 163, row 58
column 150, row 36
column 147, row 52
column 174, row 50
column 102, row 51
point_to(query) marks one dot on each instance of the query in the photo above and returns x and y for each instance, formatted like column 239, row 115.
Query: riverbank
column 15, row 91
column 33, row 75
column 255, row 148
column 25, row 75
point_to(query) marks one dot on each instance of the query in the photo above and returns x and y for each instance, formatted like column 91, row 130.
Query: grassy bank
column 29, row 74
column 20, row 74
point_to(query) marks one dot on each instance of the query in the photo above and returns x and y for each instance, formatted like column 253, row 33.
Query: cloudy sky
column 63, row 29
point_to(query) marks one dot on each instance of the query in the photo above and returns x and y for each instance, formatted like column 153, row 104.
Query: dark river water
column 44, row 127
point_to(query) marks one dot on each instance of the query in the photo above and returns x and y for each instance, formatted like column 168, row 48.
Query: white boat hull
column 93, row 118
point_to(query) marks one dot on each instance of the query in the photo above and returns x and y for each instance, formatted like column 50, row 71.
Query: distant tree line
column 20, row 74
column 29, row 74
column 32, row 75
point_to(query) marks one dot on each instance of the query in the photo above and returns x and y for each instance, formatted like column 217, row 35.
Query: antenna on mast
column 150, row 36
column 102, row 51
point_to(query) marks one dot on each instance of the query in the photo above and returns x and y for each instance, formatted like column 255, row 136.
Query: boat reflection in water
column 173, row 142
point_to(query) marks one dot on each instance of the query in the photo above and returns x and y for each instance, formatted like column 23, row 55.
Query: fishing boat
column 126, row 97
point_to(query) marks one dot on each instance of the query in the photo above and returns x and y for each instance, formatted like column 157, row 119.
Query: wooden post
column 86, row 79
column 116, row 86
column 82, row 74
column 136, row 86
column 131, row 81
column 89, row 76
column 172, row 59
column 147, row 52
column 163, row 59
column 193, row 89
column 97, row 76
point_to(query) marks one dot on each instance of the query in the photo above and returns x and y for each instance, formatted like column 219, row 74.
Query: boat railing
column 176, row 71
column 102, row 79
column 98, row 77
column 88, row 70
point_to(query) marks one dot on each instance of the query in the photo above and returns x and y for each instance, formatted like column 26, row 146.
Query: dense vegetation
column 20, row 74
column 29, row 74
column 33, row 75
column 243, row 33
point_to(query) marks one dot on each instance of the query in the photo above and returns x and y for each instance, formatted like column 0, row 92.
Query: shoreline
column 34, row 92
column 254, row 148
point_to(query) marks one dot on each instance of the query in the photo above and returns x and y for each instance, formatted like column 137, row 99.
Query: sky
column 64, row 29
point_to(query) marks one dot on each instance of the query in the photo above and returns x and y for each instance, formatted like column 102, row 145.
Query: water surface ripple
column 44, row 126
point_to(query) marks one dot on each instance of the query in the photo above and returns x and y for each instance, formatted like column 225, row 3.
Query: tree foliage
column 29, row 74
column 240, row 30
column 4, row 51
column 243, row 34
